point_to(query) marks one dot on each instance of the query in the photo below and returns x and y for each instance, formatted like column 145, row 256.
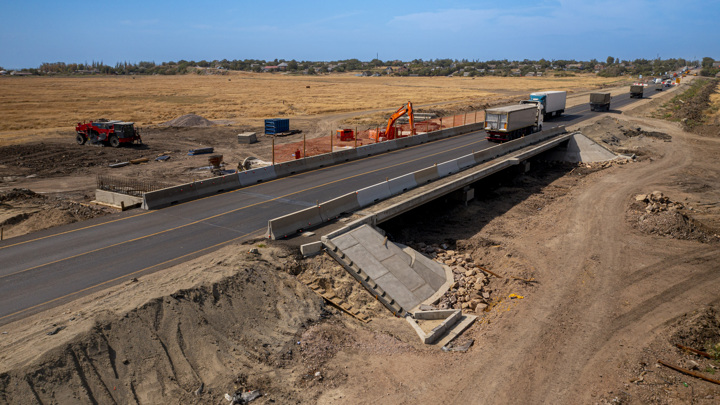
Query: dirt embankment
column 239, row 332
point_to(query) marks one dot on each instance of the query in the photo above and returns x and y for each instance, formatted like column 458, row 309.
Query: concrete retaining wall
column 117, row 200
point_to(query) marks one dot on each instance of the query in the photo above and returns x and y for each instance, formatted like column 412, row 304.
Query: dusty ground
column 611, row 287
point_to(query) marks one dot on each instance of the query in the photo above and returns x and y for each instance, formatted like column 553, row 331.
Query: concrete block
column 204, row 188
column 117, row 200
column 290, row 168
column 169, row 196
column 344, row 155
column 310, row 249
column 443, row 327
column 426, row 175
column 247, row 138
column 447, row 168
column 318, row 161
column 370, row 195
column 291, row 224
column 466, row 161
column 434, row 314
column 344, row 204
column 255, row 176
column 401, row 184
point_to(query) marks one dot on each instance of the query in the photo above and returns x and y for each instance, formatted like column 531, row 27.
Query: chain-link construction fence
column 365, row 136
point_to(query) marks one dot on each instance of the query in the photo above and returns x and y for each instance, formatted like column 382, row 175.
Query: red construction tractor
column 113, row 133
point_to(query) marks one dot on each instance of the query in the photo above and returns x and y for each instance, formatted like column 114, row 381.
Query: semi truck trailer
column 504, row 124
column 552, row 102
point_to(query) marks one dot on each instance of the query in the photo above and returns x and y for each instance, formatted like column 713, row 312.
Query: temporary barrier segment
column 401, row 184
column 254, row 176
column 370, row 195
column 291, row 224
column 332, row 209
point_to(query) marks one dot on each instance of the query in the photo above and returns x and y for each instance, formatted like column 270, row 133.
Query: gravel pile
column 189, row 120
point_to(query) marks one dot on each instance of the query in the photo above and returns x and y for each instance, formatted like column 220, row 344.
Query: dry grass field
column 37, row 108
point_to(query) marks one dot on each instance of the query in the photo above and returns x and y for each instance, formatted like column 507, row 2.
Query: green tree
column 707, row 62
column 292, row 65
column 610, row 60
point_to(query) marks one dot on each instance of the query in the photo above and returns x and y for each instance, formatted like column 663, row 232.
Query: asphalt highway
column 47, row 268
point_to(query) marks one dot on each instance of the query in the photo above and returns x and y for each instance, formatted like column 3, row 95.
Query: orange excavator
column 391, row 132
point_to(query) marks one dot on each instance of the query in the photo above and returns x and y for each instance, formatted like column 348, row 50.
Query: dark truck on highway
column 599, row 101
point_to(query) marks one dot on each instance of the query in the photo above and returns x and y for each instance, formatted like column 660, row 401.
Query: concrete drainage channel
column 403, row 280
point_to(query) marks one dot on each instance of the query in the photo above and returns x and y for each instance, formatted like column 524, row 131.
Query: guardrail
column 293, row 223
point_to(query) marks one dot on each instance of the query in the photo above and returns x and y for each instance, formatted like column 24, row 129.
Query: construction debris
column 337, row 302
column 690, row 349
column 688, row 372
column 200, row 151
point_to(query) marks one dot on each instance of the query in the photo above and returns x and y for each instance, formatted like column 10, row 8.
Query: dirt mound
column 656, row 214
column 699, row 330
column 615, row 132
column 189, row 120
column 25, row 211
column 238, row 333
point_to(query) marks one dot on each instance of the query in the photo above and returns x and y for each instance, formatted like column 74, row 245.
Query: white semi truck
column 552, row 102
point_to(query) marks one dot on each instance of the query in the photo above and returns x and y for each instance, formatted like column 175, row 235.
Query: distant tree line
column 611, row 67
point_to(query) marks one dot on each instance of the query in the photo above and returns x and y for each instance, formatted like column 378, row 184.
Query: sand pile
column 189, row 120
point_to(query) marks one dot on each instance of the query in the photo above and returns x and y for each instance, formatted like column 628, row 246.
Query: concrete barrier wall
column 426, row 175
column 332, row 209
column 317, row 161
column 290, row 168
column 345, row 155
column 401, row 184
column 254, row 176
column 447, row 168
column 291, row 224
column 217, row 185
column 466, row 161
column 373, row 194
column 169, row 196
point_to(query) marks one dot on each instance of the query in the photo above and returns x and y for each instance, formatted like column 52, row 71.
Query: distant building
column 282, row 67
column 716, row 64
column 270, row 68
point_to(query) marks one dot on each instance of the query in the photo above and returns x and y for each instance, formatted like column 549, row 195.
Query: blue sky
column 33, row 32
